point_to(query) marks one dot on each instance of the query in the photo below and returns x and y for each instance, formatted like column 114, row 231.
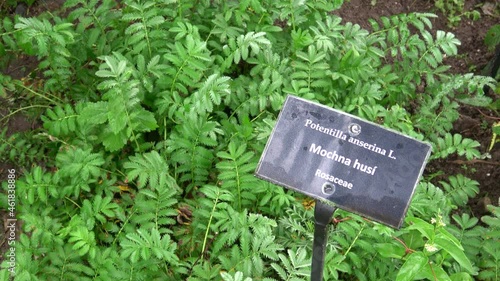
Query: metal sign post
column 323, row 214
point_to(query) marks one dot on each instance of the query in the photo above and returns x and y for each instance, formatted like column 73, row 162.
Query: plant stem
column 209, row 223
column 123, row 226
column 44, row 96
column 21, row 109
column 355, row 239
column 69, row 199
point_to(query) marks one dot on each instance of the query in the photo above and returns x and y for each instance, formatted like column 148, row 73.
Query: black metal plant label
column 327, row 154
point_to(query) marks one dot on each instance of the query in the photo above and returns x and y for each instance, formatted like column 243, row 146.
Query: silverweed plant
column 155, row 113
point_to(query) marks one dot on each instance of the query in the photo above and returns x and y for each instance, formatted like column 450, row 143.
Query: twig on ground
column 474, row 161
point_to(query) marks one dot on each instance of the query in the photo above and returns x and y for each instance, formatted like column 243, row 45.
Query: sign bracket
column 323, row 214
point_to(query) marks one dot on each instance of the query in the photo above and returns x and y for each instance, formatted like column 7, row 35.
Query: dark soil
column 473, row 56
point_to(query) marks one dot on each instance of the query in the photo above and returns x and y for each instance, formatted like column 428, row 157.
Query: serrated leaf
column 112, row 141
column 149, row 167
column 143, row 120
column 94, row 113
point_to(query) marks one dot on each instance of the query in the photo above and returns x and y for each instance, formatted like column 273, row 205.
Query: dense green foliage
column 155, row 113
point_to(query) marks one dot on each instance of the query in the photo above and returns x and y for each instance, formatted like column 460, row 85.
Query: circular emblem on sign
column 328, row 188
column 354, row 129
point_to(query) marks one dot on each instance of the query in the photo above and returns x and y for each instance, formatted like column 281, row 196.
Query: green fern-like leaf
column 61, row 120
column 205, row 215
column 211, row 93
column 250, row 255
column 149, row 244
column 444, row 41
column 141, row 271
column 427, row 194
column 294, row 10
column 223, row 28
column 471, row 89
column 237, row 276
column 490, row 264
column 460, row 189
column 189, row 58
column 243, row 47
column 437, row 124
column 105, row 264
column 295, row 266
column 43, row 230
column 155, row 209
column 299, row 231
column 456, row 144
column 327, row 34
column 113, row 141
column 396, row 29
column 142, row 120
column 490, row 259
column 65, row 263
column 281, row 199
column 26, row 266
column 38, row 184
column 51, row 43
column 234, row 225
column 36, row 30
column 149, row 167
column 189, row 145
column 272, row 66
column 311, row 68
column 493, row 221
column 94, row 113
column 144, row 30
column 96, row 18
column 171, row 104
column 83, row 241
column 236, row 174
column 7, row 42
column 205, row 271
column 126, row 117
column 469, row 234
column 183, row 29
column 100, row 209
column 80, row 168
column 253, row 96
column 149, row 73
